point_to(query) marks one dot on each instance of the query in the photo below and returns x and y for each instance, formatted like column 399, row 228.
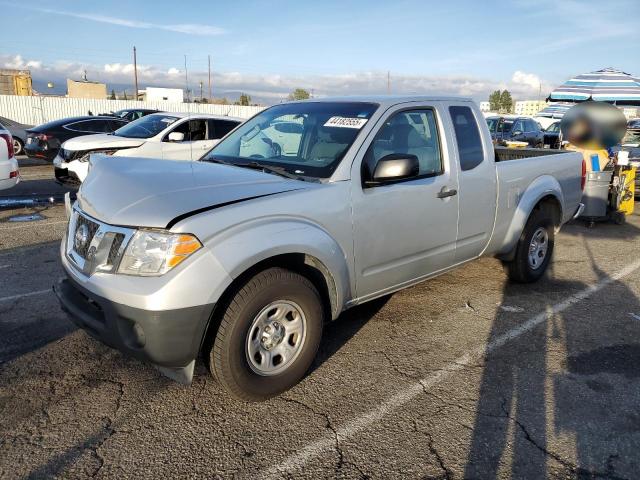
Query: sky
column 333, row 47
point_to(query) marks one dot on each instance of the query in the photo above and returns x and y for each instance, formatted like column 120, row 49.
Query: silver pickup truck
column 305, row 210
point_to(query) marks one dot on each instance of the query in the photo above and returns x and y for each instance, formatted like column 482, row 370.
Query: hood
column 102, row 140
column 144, row 192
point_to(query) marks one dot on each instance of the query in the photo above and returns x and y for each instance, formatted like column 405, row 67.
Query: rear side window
column 90, row 126
column 219, row 128
column 467, row 137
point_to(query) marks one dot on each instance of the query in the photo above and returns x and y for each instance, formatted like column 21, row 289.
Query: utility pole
column 388, row 82
column 210, row 93
column 135, row 73
column 186, row 78
column 200, row 91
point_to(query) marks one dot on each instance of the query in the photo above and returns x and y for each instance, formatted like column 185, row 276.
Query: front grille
column 94, row 246
column 115, row 248
column 84, row 235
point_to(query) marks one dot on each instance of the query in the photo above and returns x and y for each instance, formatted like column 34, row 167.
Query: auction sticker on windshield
column 346, row 122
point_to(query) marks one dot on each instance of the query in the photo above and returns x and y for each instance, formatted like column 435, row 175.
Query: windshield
column 305, row 139
column 145, row 127
column 554, row 127
column 505, row 125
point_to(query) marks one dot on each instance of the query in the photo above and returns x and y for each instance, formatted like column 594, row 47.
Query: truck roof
column 389, row 100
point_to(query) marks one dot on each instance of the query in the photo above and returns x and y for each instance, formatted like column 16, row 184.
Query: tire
column 522, row 269
column 18, row 147
column 243, row 335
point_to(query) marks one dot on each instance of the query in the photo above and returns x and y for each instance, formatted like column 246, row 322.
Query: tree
column 494, row 101
column 124, row 95
column 299, row 94
column 506, row 102
column 113, row 94
column 244, row 100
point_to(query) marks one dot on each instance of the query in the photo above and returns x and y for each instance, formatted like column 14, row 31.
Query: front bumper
column 168, row 338
column 66, row 177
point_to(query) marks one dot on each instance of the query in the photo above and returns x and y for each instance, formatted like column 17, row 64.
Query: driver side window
column 412, row 132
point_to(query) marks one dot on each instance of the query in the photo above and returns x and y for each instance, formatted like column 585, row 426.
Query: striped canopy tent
column 555, row 110
column 608, row 85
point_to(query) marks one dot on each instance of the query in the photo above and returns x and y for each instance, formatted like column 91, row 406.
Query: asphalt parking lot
column 464, row 376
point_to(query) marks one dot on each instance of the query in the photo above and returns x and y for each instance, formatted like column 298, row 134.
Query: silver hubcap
column 276, row 337
column 538, row 248
column 17, row 148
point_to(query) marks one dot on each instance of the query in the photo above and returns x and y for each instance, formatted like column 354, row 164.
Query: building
column 485, row 107
column 86, row 89
column 529, row 107
column 15, row 82
column 151, row 94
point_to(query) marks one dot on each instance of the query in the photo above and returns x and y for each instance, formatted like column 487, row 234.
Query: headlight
column 85, row 157
column 152, row 253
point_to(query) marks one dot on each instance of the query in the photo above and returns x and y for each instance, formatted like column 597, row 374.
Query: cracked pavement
column 561, row 400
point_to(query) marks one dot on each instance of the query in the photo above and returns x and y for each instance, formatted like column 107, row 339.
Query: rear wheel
column 268, row 336
column 534, row 248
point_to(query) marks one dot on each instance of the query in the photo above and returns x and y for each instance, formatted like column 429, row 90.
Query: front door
column 406, row 230
column 195, row 144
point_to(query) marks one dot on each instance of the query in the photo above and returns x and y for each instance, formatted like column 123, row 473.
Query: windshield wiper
column 271, row 169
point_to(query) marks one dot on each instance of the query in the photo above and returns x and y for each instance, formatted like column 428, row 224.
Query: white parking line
column 23, row 295
column 367, row 419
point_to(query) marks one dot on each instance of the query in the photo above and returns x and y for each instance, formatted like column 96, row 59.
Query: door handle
column 445, row 192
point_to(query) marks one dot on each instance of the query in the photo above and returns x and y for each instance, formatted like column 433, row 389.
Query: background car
column 131, row 114
column 520, row 129
column 9, row 172
column 170, row 136
column 45, row 140
column 631, row 125
column 552, row 135
column 18, row 132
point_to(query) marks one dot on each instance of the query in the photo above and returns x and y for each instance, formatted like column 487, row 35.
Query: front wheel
column 268, row 336
column 534, row 248
column 17, row 147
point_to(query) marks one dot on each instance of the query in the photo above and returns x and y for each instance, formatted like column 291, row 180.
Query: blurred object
column 592, row 157
column 593, row 125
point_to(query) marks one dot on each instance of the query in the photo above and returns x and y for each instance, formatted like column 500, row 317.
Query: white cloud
column 527, row 79
column 275, row 87
column 187, row 28
column 18, row 63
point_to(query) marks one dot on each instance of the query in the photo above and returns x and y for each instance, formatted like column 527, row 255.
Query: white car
column 169, row 136
column 9, row 172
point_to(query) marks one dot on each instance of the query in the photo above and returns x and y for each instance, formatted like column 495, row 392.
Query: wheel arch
column 544, row 193
column 303, row 263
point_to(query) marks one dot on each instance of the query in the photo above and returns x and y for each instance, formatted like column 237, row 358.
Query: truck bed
column 504, row 154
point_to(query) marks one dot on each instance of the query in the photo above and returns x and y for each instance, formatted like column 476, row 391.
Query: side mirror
column 176, row 137
column 392, row 168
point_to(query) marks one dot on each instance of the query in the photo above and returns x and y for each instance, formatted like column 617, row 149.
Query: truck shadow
column 338, row 333
column 562, row 399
